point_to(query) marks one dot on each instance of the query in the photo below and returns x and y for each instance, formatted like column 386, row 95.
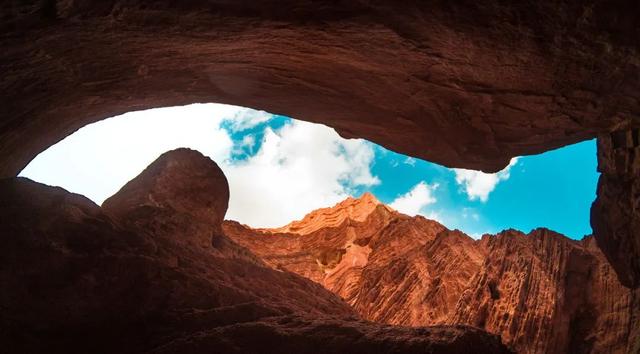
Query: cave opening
column 398, row 240
column 281, row 169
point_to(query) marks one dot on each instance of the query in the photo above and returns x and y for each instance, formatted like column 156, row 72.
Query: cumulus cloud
column 410, row 161
column 299, row 168
column 100, row 158
column 413, row 202
column 470, row 213
column 246, row 118
column 478, row 185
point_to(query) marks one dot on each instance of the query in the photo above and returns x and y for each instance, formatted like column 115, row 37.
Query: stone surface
column 461, row 83
column 541, row 292
column 615, row 214
column 465, row 84
column 181, row 193
column 136, row 277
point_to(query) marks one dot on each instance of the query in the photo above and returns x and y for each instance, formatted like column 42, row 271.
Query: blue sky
column 554, row 189
column 279, row 169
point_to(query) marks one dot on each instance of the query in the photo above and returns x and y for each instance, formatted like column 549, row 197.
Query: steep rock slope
column 461, row 83
column 139, row 276
column 542, row 292
column 465, row 84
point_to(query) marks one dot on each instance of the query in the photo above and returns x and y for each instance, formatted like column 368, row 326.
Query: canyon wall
column 152, row 272
column 461, row 83
column 541, row 292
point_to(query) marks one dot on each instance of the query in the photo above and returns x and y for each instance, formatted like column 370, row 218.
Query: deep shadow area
column 464, row 84
column 141, row 275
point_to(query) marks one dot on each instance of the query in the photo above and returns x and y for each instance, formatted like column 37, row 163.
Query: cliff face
column 151, row 271
column 500, row 79
column 542, row 292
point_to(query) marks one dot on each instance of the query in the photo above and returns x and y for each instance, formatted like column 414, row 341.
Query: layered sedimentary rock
column 465, row 84
column 138, row 276
column 615, row 215
column 541, row 292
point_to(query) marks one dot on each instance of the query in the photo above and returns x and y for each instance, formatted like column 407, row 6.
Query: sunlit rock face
column 464, row 84
column 144, row 274
column 542, row 292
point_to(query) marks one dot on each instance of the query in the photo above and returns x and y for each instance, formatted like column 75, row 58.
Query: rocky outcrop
column 464, row 84
column 545, row 293
column 615, row 214
column 350, row 209
column 541, row 292
column 182, row 195
column 138, row 276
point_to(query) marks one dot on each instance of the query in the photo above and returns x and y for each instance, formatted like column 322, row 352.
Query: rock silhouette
column 140, row 276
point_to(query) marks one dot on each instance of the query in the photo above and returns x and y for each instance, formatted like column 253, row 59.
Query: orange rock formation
column 150, row 272
column 542, row 292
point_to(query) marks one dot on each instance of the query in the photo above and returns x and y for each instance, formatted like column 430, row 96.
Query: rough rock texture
column 462, row 83
column 545, row 293
column 182, row 193
column 542, row 292
column 615, row 215
column 353, row 209
column 137, row 277
column 466, row 84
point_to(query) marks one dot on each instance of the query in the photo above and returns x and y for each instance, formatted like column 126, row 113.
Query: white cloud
column 436, row 216
column 245, row 146
column 470, row 213
column 478, row 185
column 476, row 235
column 410, row 161
column 246, row 118
column 299, row 168
column 97, row 160
column 413, row 202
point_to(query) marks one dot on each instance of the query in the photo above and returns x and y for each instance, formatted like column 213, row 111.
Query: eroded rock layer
column 461, row 83
column 541, row 292
column 138, row 276
column 465, row 84
column 615, row 214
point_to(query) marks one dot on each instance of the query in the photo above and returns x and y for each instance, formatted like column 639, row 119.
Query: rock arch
column 462, row 84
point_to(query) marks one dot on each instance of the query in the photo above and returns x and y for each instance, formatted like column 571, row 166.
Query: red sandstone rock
column 462, row 83
column 615, row 214
column 139, row 278
column 542, row 292
column 465, row 84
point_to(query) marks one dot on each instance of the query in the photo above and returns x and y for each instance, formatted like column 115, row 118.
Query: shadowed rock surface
column 615, row 214
column 542, row 292
column 138, row 277
column 461, row 83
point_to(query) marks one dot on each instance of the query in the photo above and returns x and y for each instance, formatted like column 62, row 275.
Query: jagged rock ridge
column 152, row 272
column 461, row 83
column 542, row 292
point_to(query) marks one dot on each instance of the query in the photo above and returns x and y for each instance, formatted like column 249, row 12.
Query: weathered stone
column 76, row 279
column 541, row 292
column 464, row 84
column 615, row 214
